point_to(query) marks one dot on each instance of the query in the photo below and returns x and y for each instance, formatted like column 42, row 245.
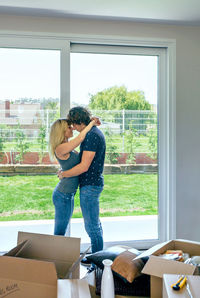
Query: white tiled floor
column 115, row 229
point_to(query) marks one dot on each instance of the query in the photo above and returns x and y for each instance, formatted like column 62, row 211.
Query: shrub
column 21, row 144
column 42, row 142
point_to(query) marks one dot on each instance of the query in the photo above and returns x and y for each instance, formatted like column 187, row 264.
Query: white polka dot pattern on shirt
column 93, row 142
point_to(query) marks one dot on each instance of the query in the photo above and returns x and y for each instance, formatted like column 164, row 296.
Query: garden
column 28, row 197
column 131, row 138
column 130, row 129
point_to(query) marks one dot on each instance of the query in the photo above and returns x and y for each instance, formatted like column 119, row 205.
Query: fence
column 126, row 131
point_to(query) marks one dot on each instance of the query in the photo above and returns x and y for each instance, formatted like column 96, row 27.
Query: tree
column 2, row 146
column 118, row 98
column 52, row 108
column 111, row 148
column 51, row 105
column 42, row 142
column 152, row 142
column 21, row 145
column 132, row 142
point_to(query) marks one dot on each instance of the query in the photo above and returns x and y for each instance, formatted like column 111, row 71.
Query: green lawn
column 29, row 197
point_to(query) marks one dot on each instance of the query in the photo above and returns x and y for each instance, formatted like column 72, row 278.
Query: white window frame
column 166, row 49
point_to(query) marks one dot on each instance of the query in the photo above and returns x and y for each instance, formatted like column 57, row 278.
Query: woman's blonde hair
column 57, row 135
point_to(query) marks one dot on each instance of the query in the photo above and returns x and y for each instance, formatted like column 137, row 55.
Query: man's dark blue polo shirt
column 94, row 141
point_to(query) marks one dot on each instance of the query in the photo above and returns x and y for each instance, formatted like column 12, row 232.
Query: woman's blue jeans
column 89, row 201
column 64, row 206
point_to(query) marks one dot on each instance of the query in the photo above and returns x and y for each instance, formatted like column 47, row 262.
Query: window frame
column 166, row 108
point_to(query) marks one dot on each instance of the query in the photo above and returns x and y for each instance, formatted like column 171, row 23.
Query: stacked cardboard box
column 35, row 266
column 39, row 265
column 156, row 266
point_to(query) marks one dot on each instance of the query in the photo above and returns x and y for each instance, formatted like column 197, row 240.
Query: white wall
column 187, row 103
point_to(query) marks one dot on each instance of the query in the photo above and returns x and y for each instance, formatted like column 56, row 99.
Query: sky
column 104, row 71
column 36, row 74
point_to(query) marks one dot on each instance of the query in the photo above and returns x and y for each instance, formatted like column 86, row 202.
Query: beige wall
column 187, row 102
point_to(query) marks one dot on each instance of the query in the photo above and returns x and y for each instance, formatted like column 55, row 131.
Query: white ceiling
column 158, row 11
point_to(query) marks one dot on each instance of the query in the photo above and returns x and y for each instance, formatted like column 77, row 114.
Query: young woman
column 63, row 150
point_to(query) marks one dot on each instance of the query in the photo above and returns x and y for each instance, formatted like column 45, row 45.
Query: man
column 90, row 169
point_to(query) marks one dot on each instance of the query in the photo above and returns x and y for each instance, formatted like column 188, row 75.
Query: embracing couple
column 82, row 169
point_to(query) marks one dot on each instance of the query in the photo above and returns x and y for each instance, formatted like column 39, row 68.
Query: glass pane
column 122, row 91
column 29, row 102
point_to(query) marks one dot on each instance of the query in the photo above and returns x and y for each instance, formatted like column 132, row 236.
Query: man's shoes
column 85, row 262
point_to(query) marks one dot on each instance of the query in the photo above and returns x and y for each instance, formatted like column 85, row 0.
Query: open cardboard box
column 33, row 267
column 23, row 278
column 157, row 266
column 192, row 281
column 62, row 251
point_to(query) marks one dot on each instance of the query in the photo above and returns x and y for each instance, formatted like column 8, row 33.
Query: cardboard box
column 62, row 251
column 22, row 278
column 157, row 266
column 192, row 281
column 32, row 268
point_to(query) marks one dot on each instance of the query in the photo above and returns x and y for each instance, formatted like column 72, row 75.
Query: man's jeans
column 89, row 201
column 64, row 206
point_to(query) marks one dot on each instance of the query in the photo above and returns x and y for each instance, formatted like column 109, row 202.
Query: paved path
column 115, row 229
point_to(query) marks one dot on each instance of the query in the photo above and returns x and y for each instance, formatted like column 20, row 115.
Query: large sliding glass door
column 128, row 88
column 122, row 86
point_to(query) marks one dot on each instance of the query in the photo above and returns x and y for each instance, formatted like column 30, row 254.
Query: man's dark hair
column 79, row 115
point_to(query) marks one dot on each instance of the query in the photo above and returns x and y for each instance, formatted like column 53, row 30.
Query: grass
column 30, row 197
